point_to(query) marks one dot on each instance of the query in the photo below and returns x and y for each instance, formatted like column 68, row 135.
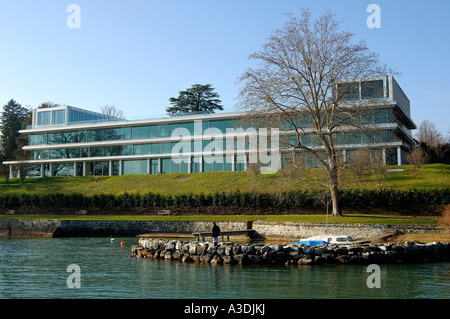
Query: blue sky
column 137, row 54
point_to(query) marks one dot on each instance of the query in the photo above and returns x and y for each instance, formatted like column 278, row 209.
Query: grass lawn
column 429, row 176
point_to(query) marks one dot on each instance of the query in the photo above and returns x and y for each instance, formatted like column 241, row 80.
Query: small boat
column 324, row 239
column 310, row 242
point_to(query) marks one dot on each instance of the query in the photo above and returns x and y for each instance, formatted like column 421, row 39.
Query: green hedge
column 358, row 199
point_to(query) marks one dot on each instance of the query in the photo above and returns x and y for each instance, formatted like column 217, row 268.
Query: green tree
column 197, row 99
column 13, row 118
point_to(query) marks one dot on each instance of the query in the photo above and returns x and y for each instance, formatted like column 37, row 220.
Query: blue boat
column 324, row 239
column 310, row 242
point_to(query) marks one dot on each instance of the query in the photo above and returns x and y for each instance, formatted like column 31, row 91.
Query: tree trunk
column 334, row 190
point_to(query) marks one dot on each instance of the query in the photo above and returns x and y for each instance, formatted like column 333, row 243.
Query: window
column 58, row 117
column 126, row 133
column 156, row 148
column 372, row 89
column 37, row 139
column 154, row 166
column 135, row 167
column 165, row 148
column 163, row 130
column 43, row 118
column 195, row 165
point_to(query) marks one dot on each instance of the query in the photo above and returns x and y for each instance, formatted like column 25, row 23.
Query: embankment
column 131, row 228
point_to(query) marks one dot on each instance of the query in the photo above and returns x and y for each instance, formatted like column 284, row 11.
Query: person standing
column 215, row 234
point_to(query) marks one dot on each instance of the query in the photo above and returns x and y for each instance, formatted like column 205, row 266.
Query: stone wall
column 99, row 228
column 357, row 231
column 92, row 228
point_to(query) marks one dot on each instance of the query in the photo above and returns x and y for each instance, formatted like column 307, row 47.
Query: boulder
column 241, row 258
column 255, row 259
column 306, row 260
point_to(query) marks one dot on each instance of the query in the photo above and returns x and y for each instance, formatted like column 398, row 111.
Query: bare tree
column 418, row 156
column 429, row 134
column 111, row 110
column 298, row 81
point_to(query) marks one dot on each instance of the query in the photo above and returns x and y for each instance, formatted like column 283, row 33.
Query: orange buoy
column 122, row 244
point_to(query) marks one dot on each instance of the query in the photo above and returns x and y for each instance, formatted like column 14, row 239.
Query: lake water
column 37, row 268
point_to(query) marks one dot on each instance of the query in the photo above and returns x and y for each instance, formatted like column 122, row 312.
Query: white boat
column 325, row 239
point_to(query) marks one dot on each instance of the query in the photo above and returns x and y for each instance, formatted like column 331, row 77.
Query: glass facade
column 188, row 146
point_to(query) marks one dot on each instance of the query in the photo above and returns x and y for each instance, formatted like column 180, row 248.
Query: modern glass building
column 68, row 141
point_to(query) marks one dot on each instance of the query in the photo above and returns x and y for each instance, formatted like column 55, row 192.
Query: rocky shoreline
column 233, row 253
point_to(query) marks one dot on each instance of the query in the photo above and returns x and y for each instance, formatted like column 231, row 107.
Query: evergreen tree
column 197, row 99
column 12, row 120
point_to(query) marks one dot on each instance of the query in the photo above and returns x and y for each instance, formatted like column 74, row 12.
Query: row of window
column 165, row 130
column 153, row 166
column 209, row 164
column 216, row 145
column 126, row 133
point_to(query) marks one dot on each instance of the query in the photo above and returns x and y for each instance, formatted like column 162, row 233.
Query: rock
column 268, row 256
column 355, row 259
column 265, row 249
column 241, row 258
column 377, row 257
column 216, row 260
column 329, row 258
column 342, row 259
column 276, row 248
column 227, row 259
column 228, row 250
column 308, row 250
column 306, row 260
column 201, row 249
column 319, row 250
column 168, row 255
column 280, row 257
column 206, row 258
column 236, row 250
column 177, row 255
column 186, row 258
column 212, row 250
column 221, row 250
column 178, row 245
column 247, row 249
column 255, row 259
column 192, row 249
column 171, row 245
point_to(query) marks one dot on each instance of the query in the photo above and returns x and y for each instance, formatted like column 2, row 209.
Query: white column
column 84, row 168
column 399, row 156
column 383, row 156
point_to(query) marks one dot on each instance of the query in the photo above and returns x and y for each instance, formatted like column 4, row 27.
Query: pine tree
column 197, row 99
column 12, row 120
